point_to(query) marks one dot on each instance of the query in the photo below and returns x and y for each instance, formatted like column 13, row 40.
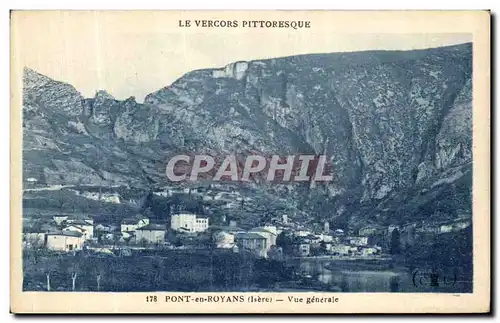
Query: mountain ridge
column 393, row 122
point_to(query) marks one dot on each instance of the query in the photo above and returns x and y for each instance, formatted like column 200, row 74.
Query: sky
column 136, row 54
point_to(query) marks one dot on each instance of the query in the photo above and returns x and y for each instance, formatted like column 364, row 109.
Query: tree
column 74, row 268
column 74, row 274
column 143, row 242
column 98, row 271
column 395, row 244
column 275, row 253
column 285, row 241
column 322, row 247
column 210, row 242
column 158, row 271
column 50, row 268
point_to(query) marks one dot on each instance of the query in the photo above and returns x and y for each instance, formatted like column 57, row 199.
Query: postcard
column 250, row 162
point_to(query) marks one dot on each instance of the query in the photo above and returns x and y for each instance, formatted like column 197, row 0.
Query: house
column 104, row 231
column 340, row 249
column 324, row 237
column 187, row 222
column 369, row 251
column 152, row 233
column 129, row 225
column 274, row 229
column 302, row 233
column 87, row 225
column 357, row 241
column 311, row 239
column 65, row 241
column 75, row 228
column 271, row 228
column 369, row 230
column 269, row 235
column 252, row 241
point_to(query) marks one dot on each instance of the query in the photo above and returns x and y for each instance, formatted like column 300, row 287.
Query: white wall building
column 324, row 237
column 358, row 241
column 272, row 229
column 270, row 236
column 340, row 249
column 188, row 222
column 302, row 233
column 87, row 225
column 152, row 233
column 75, row 228
column 65, row 241
column 129, row 225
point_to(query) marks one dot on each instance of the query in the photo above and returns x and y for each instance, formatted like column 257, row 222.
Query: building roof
column 102, row 225
column 130, row 221
column 153, row 227
column 78, row 222
column 184, row 214
column 249, row 235
column 66, row 233
column 261, row 229
column 74, row 225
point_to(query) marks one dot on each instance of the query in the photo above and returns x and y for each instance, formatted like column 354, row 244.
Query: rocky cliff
column 397, row 125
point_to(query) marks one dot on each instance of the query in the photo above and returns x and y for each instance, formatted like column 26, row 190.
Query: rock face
column 395, row 123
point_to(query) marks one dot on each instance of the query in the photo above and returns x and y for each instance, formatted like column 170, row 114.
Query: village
column 278, row 238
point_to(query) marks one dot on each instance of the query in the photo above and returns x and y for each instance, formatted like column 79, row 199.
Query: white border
column 185, row 4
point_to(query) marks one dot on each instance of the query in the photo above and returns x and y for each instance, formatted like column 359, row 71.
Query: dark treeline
column 152, row 271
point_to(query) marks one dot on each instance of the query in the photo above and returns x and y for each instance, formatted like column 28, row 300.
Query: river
column 349, row 278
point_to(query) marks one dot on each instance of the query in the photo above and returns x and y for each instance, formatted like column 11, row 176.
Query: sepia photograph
column 249, row 157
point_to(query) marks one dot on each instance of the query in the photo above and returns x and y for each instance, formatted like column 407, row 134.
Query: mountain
column 397, row 125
